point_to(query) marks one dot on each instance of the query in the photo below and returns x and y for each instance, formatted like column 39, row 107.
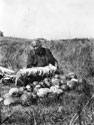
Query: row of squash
column 56, row 85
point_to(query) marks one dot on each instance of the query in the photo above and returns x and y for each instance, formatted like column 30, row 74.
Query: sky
column 50, row 19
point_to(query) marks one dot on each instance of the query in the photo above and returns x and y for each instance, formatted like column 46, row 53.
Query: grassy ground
column 75, row 55
column 50, row 111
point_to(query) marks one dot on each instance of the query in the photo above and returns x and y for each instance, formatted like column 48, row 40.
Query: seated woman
column 37, row 57
column 40, row 56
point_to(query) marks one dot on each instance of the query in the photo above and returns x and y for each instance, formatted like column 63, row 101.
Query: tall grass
column 73, row 54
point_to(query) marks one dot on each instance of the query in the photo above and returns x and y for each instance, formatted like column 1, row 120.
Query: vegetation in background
column 75, row 55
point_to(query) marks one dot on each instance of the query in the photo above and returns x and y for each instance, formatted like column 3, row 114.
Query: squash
column 11, row 100
column 36, row 88
column 56, row 90
column 55, row 81
column 71, row 84
column 34, row 95
column 8, row 101
column 42, row 84
column 71, row 75
column 1, row 99
column 53, row 88
column 64, row 87
column 47, row 82
column 21, row 89
column 37, row 71
column 59, row 91
column 42, row 92
column 75, row 80
column 80, row 81
column 29, row 88
column 26, row 99
column 57, row 76
column 35, row 83
column 14, row 92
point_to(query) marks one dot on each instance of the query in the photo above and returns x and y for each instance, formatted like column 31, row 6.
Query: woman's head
column 36, row 44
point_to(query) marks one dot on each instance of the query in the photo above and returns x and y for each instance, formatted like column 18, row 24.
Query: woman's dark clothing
column 40, row 59
column 36, row 59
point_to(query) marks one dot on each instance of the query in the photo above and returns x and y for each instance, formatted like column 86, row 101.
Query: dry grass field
column 73, row 107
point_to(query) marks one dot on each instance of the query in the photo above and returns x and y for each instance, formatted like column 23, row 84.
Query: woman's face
column 36, row 47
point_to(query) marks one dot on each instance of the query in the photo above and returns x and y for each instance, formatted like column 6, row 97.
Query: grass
column 48, row 111
column 75, row 55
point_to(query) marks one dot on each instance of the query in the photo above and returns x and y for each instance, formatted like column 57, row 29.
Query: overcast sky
column 50, row 19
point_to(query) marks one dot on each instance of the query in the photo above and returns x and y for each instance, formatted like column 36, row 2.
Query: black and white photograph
column 46, row 62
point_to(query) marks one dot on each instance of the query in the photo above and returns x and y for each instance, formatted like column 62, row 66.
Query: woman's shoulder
column 31, row 52
column 46, row 49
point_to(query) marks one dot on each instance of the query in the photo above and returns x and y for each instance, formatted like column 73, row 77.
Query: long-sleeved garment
column 40, row 59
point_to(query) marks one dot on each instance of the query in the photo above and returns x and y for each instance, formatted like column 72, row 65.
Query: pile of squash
column 56, row 85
